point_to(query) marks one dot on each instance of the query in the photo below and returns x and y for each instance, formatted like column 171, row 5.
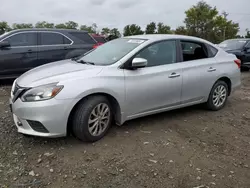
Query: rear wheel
column 92, row 119
column 218, row 96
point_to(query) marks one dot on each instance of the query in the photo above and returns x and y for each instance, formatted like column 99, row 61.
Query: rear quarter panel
column 226, row 67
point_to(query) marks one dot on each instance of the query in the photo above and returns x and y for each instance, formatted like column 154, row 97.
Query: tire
column 211, row 104
column 244, row 69
column 88, row 110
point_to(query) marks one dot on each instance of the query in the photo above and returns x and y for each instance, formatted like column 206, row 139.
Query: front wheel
column 92, row 119
column 218, row 96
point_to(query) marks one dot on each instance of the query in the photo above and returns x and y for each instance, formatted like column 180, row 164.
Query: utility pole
column 225, row 27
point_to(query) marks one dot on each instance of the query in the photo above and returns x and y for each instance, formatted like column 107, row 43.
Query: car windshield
column 112, row 51
column 232, row 44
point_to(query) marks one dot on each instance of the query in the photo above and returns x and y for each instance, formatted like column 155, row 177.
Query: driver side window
column 23, row 39
column 160, row 53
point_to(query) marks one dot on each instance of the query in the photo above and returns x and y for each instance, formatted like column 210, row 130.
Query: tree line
column 201, row 20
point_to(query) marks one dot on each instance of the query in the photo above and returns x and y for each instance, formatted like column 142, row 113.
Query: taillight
column 97, row 44
column 237, row 62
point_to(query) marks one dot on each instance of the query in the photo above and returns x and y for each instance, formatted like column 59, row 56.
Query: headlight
column 41, row 93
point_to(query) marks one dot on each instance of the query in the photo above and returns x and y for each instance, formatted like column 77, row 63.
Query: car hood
column 56, row 72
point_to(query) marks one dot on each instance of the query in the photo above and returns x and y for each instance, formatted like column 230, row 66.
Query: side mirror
column 4, row 44
column 139, row 63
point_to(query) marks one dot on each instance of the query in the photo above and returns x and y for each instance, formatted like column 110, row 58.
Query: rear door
column 247, row 54
column 200, row 71
column 20, row 56
column 53, row 46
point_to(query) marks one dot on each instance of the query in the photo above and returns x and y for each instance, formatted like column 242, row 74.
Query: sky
column 115, row 13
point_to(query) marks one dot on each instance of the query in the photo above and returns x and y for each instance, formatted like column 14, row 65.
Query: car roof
column 157, row 37
column 49, row 29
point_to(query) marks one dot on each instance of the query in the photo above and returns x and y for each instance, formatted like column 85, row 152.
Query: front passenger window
column 23, row 39
column 160, row 53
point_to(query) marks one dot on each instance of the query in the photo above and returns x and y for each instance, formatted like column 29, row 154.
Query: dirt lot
column 185, row 148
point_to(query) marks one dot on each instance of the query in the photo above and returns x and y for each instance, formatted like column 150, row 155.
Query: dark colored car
column 239, row 47
column 22, row 50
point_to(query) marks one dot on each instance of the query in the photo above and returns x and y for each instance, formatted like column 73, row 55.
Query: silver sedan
column 121, row 80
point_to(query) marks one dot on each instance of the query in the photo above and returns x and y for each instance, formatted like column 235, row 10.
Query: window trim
column 126, row 65
column 203, row 44
column 38, row 39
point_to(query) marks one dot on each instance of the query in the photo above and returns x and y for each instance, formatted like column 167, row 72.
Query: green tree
column 204, row 21
column 61, row 26
column 115, row 33
column 248, row 34
column 94, row 28
column 181, row 30
column 151, row 28
column 163, row 29
column 105, row 31
column 132, row 30
column 22, row 26
column 87, row 28
column 71, row 25
column 44, row 24
column 4, row 27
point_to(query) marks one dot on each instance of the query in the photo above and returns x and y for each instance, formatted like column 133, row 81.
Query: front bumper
column 51, row 114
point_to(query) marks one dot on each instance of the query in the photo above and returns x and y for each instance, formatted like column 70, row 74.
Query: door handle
column 65, row 48
column 173, row 75
column 211, row 69
column 29, row 51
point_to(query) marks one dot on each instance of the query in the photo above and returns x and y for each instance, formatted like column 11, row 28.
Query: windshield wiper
column 83, row 62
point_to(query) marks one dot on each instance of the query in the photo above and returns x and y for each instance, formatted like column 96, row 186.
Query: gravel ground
column 184, row 148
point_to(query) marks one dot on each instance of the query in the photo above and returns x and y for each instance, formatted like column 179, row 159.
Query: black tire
column 210, row 105
column 244, row 69
column 81, row 116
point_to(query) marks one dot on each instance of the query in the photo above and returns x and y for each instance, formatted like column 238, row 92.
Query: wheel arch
column 228, row 82
column 116, row 109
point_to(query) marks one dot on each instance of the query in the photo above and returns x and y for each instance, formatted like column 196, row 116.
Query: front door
column 20, row 56
column 247, row 54
column 157, row 86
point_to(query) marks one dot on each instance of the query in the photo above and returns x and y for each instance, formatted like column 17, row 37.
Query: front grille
column 37, row 126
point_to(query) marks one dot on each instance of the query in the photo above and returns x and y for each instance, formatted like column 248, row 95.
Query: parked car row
column 22, row 50
column 240, row 48
column 123, row 79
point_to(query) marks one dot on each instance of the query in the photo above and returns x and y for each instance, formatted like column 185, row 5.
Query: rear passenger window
column 193, row 51
column 53, row 39
column 84, row 37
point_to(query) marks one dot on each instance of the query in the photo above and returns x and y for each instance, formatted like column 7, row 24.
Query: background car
column 100, row 39
column 22, row 50
column 239, row 47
